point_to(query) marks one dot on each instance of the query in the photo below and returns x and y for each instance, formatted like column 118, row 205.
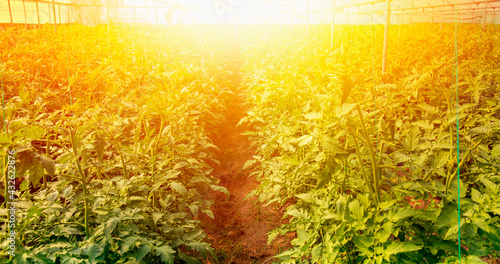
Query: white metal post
column 25, row 18
column 10, row 13
column 37, row 12
column 386, row 35
column 442, row 13
column 307, row 16
column 333, row 23
column 432, row 15
column 484, row 16
column 54, row 9
column 411, row 13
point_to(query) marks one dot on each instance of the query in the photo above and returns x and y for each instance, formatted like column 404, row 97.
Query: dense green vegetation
column 369, row 161
column 110, row 126
column 111, row 141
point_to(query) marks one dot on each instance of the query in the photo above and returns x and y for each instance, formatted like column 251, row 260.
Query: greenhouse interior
column 238, row 131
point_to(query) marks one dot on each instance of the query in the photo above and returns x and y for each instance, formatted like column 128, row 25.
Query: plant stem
column 84, row 184
column 360, row 161
column 372, row 155
column 124, row 167
column 450, row 178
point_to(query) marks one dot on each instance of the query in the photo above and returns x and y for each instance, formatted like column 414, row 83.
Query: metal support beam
column 484, row 16
column 54, row 10
column 25, row 18
column 411, row 13
column 37, row 12
column 307, row 16
column 386, row 35
column 432, row 16
column 10, row 13
column 332, row 26
column 442, row 10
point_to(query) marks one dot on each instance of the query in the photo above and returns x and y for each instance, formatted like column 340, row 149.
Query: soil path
column 239, row 230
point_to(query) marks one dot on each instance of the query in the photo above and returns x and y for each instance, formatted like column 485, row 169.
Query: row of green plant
column 368, row 160
column 109, row 125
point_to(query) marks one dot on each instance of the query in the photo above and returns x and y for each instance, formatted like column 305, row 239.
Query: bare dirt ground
column 239, row 230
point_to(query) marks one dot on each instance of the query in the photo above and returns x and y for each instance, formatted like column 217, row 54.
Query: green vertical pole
column 458, row 137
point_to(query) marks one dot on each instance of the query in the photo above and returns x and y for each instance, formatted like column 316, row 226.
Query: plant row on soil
column 111, row 126
column 369, row 160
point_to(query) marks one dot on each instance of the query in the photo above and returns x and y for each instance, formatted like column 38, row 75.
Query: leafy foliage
column 368, row 161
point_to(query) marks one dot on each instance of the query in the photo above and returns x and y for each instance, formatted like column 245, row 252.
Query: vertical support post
column 307, row 16
column 358, row 14
column 10, row 13
column 54, row 10
column 442, row 14
column 411, row 13
column 156, row 10
column 78, row 14
column 37, row 12
column 133, row 10
column 332, row 25
column 386, row 35
column 432, row 15
column 25, row 18
column 59, row 7
column 484, row 16
column 69, row 14
column 116, row 11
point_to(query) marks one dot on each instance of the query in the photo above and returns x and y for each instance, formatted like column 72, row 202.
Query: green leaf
column 143, row 250
column 70, row 260
column 178, row 187
column 32, row 132
column 99, row 145
column 427, row 108
column 209, row 213
column 189, row 260
column 405, row 213
column 495, row 152
column 166, row 254
column 71, row 231
column 344, row 109
column 305, row 140
column 93, row 251
column 313, row 116
column 448, row 215
column 36, row 174
column 473, row 260
column 219, row 189
column 363, row 243
column 249, row 163
column 48, row 164
column 476, row 196
column 356, row 210
column 396, row 247
column 127, row 242
column 110, row 225
column 306, row 197
column 41, row 259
